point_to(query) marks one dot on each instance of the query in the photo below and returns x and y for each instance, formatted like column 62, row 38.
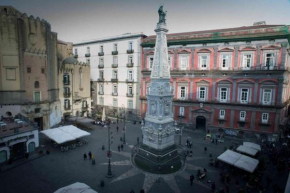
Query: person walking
column 191, row 179
column 90, row 155
column 205, row 149
column 122, row 147
column 204, row 170
column 117, row 127
column 213, row 187
column 85, row 156
column 119, row 148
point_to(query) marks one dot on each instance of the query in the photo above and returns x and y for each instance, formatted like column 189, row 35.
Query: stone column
column 215, row 57
column 258, row 65
column 192, row 58
column 234, row 91
column 253, row 121
column 236, row 57
column 280, row 90
column 256, row 90
column 213, row 89
column 175, row 58
column 283, row 57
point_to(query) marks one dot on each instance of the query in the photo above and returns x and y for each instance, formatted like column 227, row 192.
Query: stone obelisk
column 158, row 149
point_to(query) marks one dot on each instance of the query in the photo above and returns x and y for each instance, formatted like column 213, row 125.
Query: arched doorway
column 3, row 156
column 31, row 147
column 200, row 122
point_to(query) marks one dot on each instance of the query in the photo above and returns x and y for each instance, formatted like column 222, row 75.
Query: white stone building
column 115, row 71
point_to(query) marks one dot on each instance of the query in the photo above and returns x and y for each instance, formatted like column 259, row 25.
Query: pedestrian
column 119, row 148
column 142, row 191
column 85, row 156
column 117, row 127
column 216, row 141
column 191, row 179
column 205, row 171
column 122, row 147
column 187, row 142
column 47, row 152
column 205, row 149
column 117, row 121
column 132, row 191
column 213, row 187
column 90, row 155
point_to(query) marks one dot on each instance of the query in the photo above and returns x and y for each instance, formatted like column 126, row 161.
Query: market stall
column 247, row 150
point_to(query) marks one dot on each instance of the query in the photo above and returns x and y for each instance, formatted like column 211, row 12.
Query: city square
column 179, row 108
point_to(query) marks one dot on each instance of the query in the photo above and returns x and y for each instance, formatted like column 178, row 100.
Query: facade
column 28, row 70
column 115, row 71
column 74, row 83
column 236, row 79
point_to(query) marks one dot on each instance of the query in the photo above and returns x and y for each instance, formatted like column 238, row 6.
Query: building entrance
column 200, row 122
column 39, row 122
column 18, row 151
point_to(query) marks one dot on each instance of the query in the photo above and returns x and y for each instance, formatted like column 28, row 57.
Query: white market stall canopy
column 252, row 145
column 247, row 150
column 64, row 134
column 238, row 160
column 247, row 163
column 76, row 188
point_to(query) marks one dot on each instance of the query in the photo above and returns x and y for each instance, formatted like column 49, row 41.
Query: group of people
column 89, row 154
column 120, row 147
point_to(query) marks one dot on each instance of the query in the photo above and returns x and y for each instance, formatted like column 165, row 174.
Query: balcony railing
column 66, row 94
column 85, row 107
column 129, row 80
column 67, row 107
column 114, row 52
column 66, row 82
column 101, row 65
column 269, row 67
column 101, row 93
column 114, row 80
column 130, row 94
column 114, row 94
column 131, row 51
column 114, row 65
column 130, row 65
column 87, row 55
column 100, row 53
column 76, row 56
column 101, row 79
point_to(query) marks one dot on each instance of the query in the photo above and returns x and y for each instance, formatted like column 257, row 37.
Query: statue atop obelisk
column 158, row 146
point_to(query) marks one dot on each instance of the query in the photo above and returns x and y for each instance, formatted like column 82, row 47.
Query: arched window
column 36, row 84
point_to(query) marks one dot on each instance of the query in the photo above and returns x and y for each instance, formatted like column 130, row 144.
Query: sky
column 80, row 20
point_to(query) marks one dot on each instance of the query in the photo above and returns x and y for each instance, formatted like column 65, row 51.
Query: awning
column 252, row 145
column 247, row 150
column 76, row 188
column 64, row 134
column 247, row 163
column 229, row 157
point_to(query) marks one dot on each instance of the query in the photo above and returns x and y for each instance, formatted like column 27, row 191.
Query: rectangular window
column 101, row 74
column 130, row 90
column 130, row 59
column 115, row 74
column 115, row 47
column 115, row 59
column 267, row 96
column 37, row 96
column 182, row 92
column 42, row 70
column 148, row 89
column 181, row 111
column 265, row 117
column 88, row 61
column 101, row 101
column 244, row 95
column 115, row 102
column 242, row 115
column 88, row 50
column 222, row 114
column 223, row 94
column 184, row 63
column 270, row 58
column 101, row 48
column 130, row 74
column 66, row 79
column 130, row 104
column 225, row 62
column 150, row 63
column 247, row 61
column 202, row 93
column 84, row 103
column 37, row 110
column 101, row 88
column 66, row 90
column 76, row 51
column 66, row 103
column 130, row 45
column 10, row 74
column 203, row 62
column 115, row 89
column 101, row 61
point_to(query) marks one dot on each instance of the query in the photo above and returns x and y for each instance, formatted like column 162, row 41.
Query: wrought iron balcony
column 114, row 52
column 66, row 82
column 129, row 80
column 130, row 65
column 76, row 56
column 131, row 51
column 114, row 65
column 87, row 55
column 66, row 94
column 85, row 107
column 101, row 93
column 101, row 65
column 101, row 79
column 130, row 94
column 67, row 107
column 114, row 80
column 100, row 53
column 114, row 94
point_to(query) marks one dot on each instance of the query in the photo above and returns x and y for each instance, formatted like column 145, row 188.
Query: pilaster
column 213, row 88
column 175, row 58
column 256, row 90
column 283, row 57
column 276, row 129
column 253, row 121
column 258, row 65
column 236, row 57
column 232, row 118
column 192, row 58
column 215, row 57
column 234, row 91
column 280, row 90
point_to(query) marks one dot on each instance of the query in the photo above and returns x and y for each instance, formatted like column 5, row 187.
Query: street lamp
column 124, row 130
column 109, row 154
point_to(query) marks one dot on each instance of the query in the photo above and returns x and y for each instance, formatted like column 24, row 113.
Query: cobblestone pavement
column 51, row 172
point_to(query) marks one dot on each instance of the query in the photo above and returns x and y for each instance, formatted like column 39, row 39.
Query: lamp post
column 124, row 131
column 109, row 173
